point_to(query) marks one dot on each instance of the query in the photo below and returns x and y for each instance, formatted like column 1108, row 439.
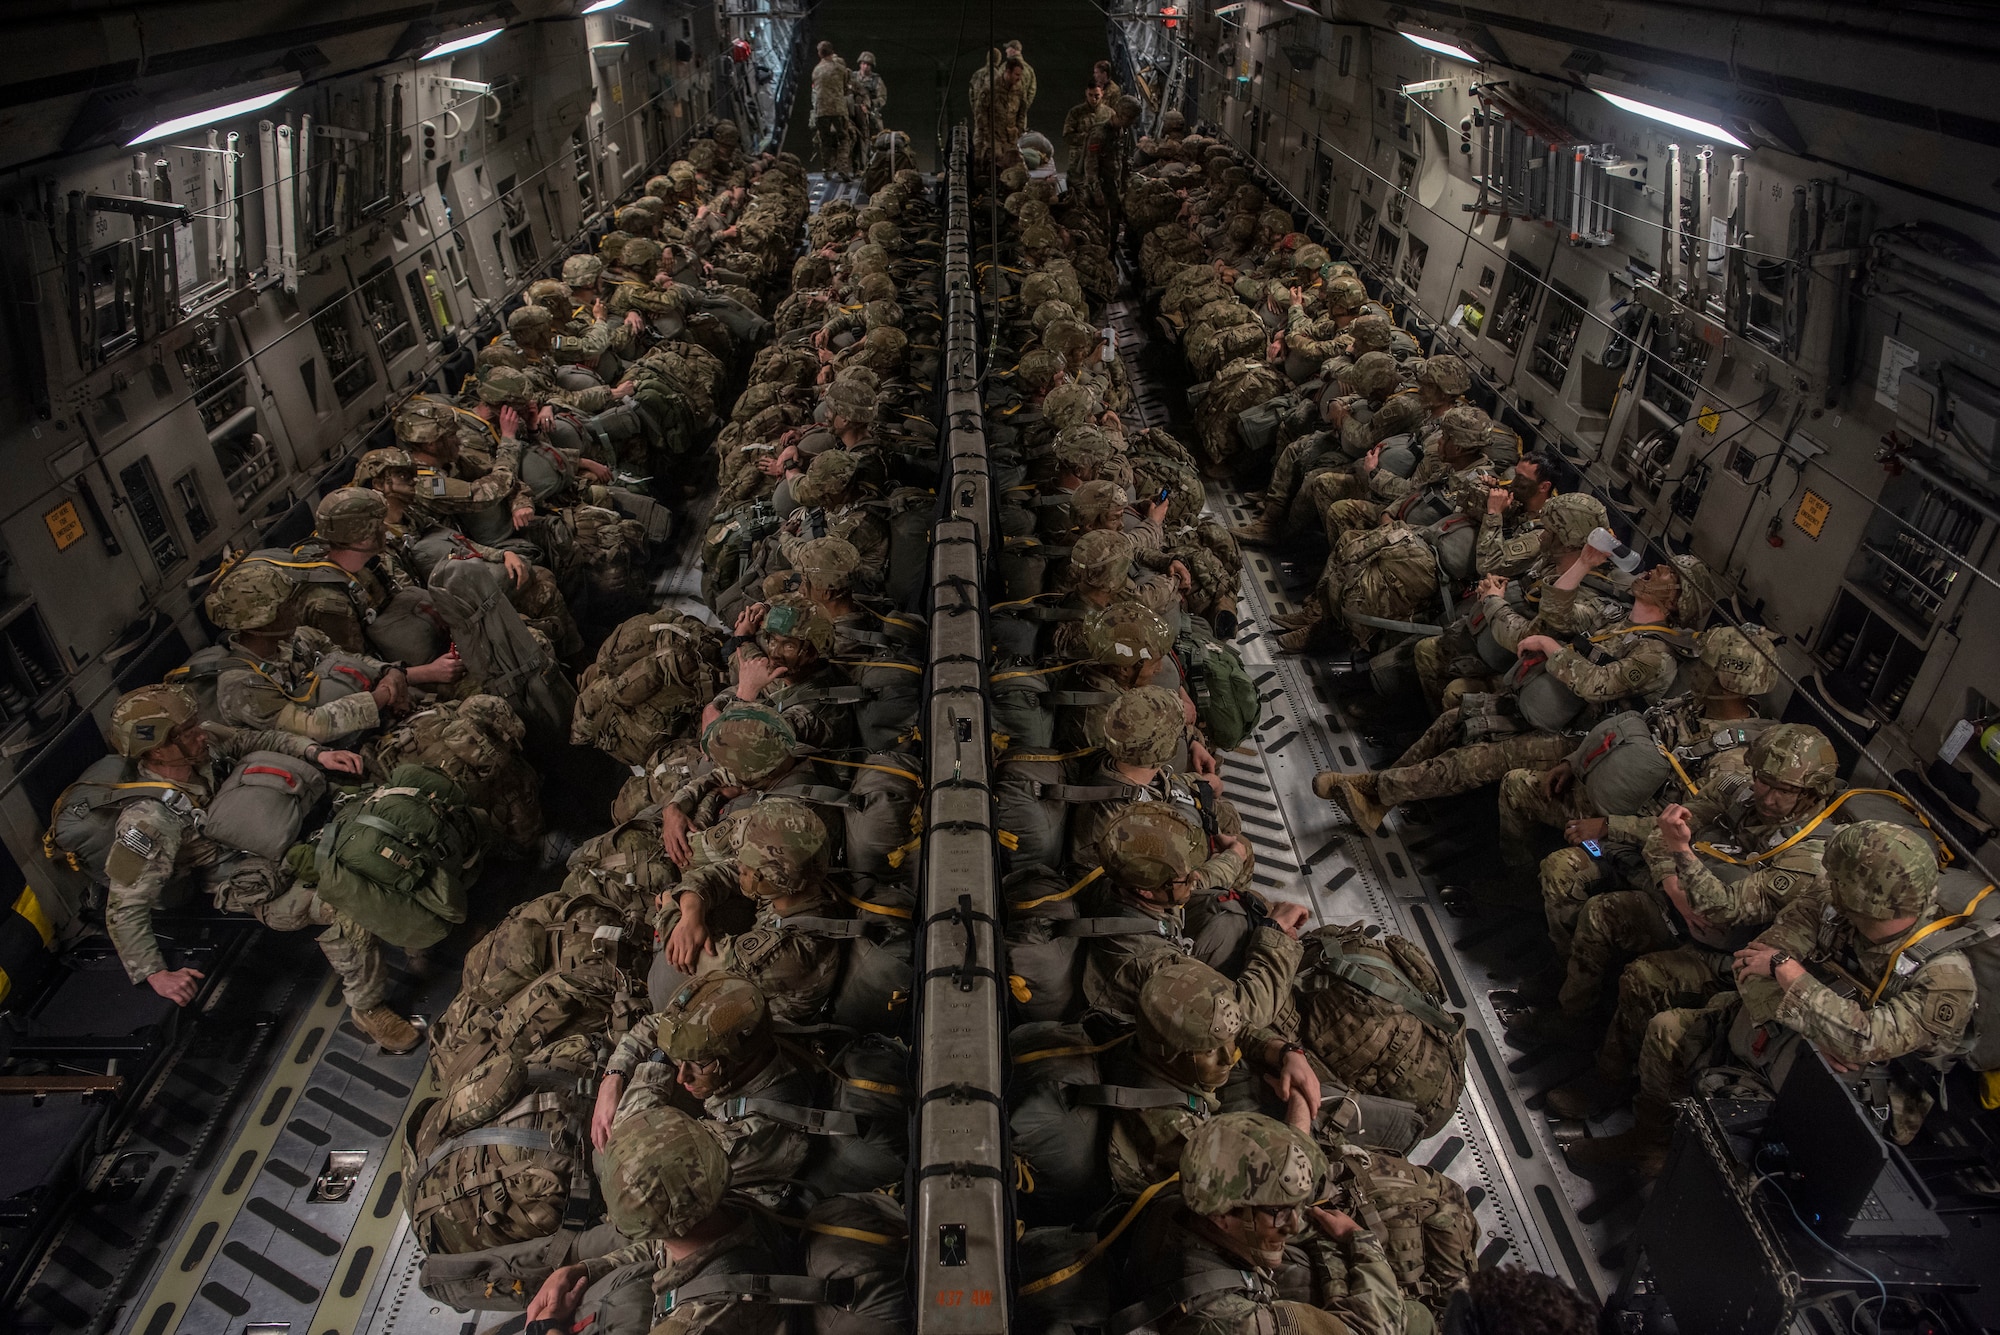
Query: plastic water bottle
column 1604, row 540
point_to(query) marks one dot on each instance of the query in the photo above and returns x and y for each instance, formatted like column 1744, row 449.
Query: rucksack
column 400, row 860
column 1620, row 765
column 561, row 930
column 1062, row 1172
column 201, row 672
column 1970, row 925
column 1381, row 574
column 1224, row 696
column 871, row 1081
column 876, row 979
column 1025, row 702
column 656, row 779
column 499, row 653
column 910, row 511
column 503, row 1155
column 596, row 997
column 84, row 818
column 1372, row 1008
column 882, row 816
column 264, row 804
column 861, row 1240
column 1044, row 963
column 1422, row 1219
column 652, row 676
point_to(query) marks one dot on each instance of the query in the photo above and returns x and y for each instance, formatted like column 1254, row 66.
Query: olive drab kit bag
column 1223, row 693
column 265, row 803
column 1373, row 1009
column 649, row 683
column 401, row 860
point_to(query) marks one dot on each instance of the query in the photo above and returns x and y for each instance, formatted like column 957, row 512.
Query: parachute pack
column 401, row 860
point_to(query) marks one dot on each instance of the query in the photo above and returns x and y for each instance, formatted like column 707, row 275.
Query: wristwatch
column 1781, row 958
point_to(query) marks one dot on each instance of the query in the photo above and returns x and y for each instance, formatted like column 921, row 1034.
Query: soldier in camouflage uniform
column 452, row 490
column 1144, row 731
column 714, row 1040
column 1711, row 731
column 871, row 95
column 1695, row 905
column 775, row 855
column 786, row 665
column 1081, row 119
column 1825, row 976
column 158, row 849
column 1633, row 662
column 665, row 1179
column 1100, row 571
column 832, row 131
column 1247, row 1184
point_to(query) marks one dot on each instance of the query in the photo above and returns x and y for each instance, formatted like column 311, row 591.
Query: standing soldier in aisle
column 871, row 96
column 830, row 82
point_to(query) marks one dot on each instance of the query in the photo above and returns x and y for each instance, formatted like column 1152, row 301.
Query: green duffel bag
column 1223, row 694
column 401, row 860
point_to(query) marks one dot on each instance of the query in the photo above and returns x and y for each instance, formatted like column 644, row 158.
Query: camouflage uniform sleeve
column 246, row 700
column 632, row 1253
column 587, row 346
column 1648, row 666
column 590, row 401
column 761, row 1149
column 1270, row 964
column 1797, row 927
column 633, row 1048
column 1508, row 625
column 1501, row 553
column 1757, row 898
column 1927, row 1016
column 715, row 884
column 1356, row 1282
column 689, row 796
column 1302, row 337
column 232, row 744
column 1628, row 829
column 145, row 841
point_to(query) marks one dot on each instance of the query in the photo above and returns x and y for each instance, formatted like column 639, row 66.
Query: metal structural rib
column 961, row 1215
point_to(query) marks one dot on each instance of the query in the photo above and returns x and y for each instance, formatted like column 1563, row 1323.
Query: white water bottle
column 1604, row 540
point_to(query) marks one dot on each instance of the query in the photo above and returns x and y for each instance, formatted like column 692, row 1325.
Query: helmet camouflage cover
column 582, row 270
column 1245, row 1159
column 1372, row 333
column 552, row 295
column 797, row 617
column 782, row 840
column 749, row 743
column 1092, row 501
column 851, row 401
column 1744, row 661
column 145, row 718
column 717, row 1015
column 1346, row 293
column 530, row 321
column 1150, row 844
column 1881, row 869
column 1446, row 374
column 662, row 1173
column 375, row 463
column 1125, row 633
column 1699, row 591
column 1189, row 1007
column 1795, row 755
column 1039, row 369
column 1071, row 405
column 505, row 386
column 250, row 597
column 1144, row 726
column 1571, row 516
column 420, row 421
column 1466, row 426
column 829, row 563
column 1101, row 559
column 349, row 516
column 1376, row 373
column 1085, row 447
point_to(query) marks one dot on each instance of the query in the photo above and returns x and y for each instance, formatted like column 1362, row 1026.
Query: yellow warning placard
column 65, row 525
column 1709, row 419
column 1812, row 514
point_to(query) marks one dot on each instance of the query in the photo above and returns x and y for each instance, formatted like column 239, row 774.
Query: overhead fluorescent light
column 1693, row 124
column 601, row 5
column 465, row 43
column 194, row 119
column 1443, row 48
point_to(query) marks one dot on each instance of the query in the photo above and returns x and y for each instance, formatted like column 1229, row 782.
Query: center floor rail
column 961, row 1196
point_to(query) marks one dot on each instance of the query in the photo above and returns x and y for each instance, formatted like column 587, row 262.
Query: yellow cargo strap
column 1007, row 839
column 886, row 910
column 1103, row 1244
column 312, row 684
column 1074, row 1050
column 1686, row 781
column 1989, row 1090
column 1944, row 853
column 1941, row 925
column 1029, row 672
column 829, row 1230
column 1088, row 877
column 879, row 769
column 1019, row 987
column 811, row 1058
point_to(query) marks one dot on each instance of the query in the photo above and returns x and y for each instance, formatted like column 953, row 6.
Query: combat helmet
column 1125, row 633
column 1372, row 333
column 147, row 717
column 552, row 295
column 1150, row 845
column 372, row 465
column 662, row 1172
column 1466, row 426
column 1375, row 374
column 505, row 386
column 1345, row 293
column 716, row 1015
column 1144, row 726
column 1187, row 1007
column 1092, row 502
column 782, row 841
column 1444, row 373
column 1071, row 405
column 851, row 401
column 1881, row 869
column 827, row 477
column 1795, row 755
column 252, row 596
column 748, row 743
column 1569, row 518
column 420, row 421
column 582, row 271
column 797, row 617
column 350, row 516
column 1101, row 560
column 1700, row 590
column 1245, row 1159
column 1744, row 661
column 828, row 563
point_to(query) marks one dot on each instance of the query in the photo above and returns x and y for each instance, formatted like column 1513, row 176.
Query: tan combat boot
column 1261, row 531
column 1642, row 1150
column 1356, row 795
column 1298, row 620
column 396, row 1034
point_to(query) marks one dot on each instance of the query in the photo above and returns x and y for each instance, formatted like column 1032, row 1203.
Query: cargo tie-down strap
column 790, row 1290
column 818, row 1121
column 1379, row 978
